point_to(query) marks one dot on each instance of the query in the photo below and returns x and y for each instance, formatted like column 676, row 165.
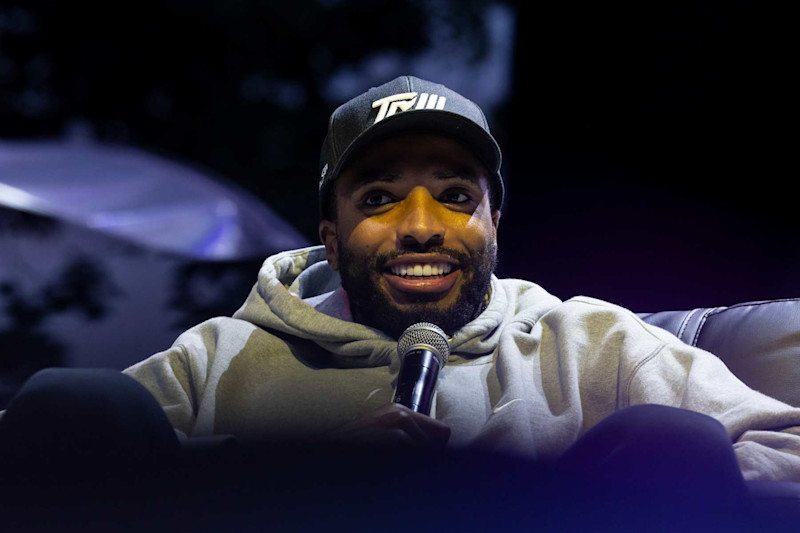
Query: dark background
column 647, row 144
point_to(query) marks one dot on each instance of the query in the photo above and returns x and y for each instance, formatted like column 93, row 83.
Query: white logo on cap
column 390, row 105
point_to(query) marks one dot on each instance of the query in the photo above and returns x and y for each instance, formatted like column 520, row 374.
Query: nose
column 421, row 224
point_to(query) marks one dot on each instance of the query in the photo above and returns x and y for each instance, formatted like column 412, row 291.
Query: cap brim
column 478, row 140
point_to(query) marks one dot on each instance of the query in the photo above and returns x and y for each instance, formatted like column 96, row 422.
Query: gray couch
column 760, row 343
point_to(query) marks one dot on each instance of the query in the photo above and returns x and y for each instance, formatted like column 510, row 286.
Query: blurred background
column 153, row 153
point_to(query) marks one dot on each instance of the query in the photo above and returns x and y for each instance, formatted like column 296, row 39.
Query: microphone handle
column 416, row 381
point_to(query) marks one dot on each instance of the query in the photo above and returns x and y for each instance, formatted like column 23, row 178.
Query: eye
column 455, row 197
column 376, row 199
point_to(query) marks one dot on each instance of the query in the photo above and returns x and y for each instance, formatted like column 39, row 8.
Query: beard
column 373, row 307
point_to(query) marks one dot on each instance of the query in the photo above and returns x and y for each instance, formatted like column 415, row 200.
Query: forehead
column 391, row 159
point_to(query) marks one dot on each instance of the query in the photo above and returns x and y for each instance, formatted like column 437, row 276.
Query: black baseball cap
column 403, row 104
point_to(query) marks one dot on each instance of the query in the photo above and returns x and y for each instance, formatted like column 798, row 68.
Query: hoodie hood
column 298, row 294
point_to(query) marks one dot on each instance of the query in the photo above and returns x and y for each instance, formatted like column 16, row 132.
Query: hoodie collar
column 298, row 294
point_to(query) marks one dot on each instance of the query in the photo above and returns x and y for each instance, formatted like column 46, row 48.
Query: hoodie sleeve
column 176, row 377
column 765, row 432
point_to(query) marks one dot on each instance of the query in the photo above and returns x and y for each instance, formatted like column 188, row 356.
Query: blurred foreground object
column 108, row 253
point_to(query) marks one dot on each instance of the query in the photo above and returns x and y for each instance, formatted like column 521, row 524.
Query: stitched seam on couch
column 702, row 323
column 686, row 322
column 718, row 310
column 754, row 304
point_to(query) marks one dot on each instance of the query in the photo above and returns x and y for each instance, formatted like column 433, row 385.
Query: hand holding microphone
column 423, row 349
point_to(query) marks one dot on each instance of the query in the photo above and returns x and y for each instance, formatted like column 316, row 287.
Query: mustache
column 465, row 260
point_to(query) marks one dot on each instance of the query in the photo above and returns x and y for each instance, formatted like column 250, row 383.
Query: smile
column 421, row 269
column 421, row 274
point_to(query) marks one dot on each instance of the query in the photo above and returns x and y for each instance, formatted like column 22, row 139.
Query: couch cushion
column 758, row 341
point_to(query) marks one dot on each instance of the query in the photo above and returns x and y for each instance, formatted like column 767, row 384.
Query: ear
column 495, row 221
column 327, row 236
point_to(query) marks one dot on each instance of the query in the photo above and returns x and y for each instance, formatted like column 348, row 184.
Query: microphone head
column 424, row 335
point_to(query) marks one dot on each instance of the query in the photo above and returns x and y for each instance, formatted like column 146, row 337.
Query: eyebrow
column 372, row 176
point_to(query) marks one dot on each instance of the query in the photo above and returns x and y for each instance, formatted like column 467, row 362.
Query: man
column 410, row 194
column 621, row 413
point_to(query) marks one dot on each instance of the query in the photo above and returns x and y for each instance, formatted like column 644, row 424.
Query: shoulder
column 594, row 312
column 215, row 340
column 215, row 332
column 524, row 300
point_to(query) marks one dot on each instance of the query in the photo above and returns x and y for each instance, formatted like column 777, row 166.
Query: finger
column 436, row 430
column 406, row 420
column 424, row 429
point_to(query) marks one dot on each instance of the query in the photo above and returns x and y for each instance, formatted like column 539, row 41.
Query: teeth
column 427, row 269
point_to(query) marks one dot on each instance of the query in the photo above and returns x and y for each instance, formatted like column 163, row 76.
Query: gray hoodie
column 530, row 375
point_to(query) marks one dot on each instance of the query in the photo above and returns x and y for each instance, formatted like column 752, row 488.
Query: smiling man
column 410, row 194
column 414, row 233
column 558, row 415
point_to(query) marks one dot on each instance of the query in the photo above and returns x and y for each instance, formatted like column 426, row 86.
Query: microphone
column 423, row 350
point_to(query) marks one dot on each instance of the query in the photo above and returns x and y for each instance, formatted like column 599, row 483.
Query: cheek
column 368, row 236
column 479, row 228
